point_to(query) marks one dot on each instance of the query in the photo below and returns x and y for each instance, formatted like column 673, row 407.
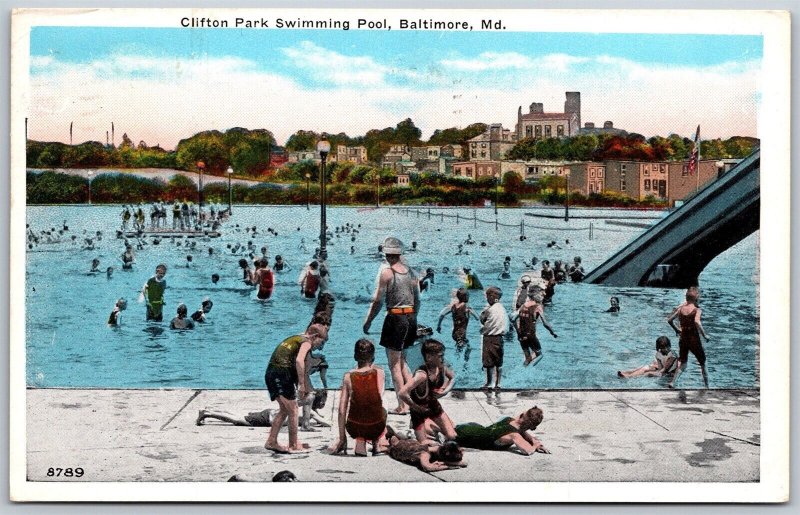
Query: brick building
column 537, row 124
column 587, row 177
column 492, row 145
column 475, row 169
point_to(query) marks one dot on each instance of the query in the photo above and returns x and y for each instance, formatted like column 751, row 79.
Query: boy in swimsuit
column 361, row 412
column 614, row 302
column 664, row 363
column 461, row 313
column 153, row 293
column 525, row 319
column 504, row 434
column 494, row 320
column 431, row 381
column 199, row 316
column 688, row 314
column 285, row 371
column 120, row 306
column 265, row 280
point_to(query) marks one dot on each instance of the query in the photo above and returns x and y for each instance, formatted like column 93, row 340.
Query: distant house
column 534, row 170
column 587, row 177
column 403, row 180
column 357, row 155
column 302, row 155
column 491, row 145
column 278, row 157
column 475, row 169
column 607, row 128
column 537, row 124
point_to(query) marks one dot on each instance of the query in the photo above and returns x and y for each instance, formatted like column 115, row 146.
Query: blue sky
column 184, row 80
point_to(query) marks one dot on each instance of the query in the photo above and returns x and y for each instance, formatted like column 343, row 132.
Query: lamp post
column 308, row 191
column 200, row 167
column 323, row 147
column 378, row 189
column 230, row 191
column 496, row 194
column 90, row 187
column 566, row 204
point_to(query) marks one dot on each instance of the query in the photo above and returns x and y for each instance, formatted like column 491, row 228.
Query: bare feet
column 527, row 361
column 299, row 448
column 201, row 416
column 277, row 448
column 485, row 386
column 497, row 387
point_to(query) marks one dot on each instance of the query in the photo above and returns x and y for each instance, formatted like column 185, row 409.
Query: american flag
column 695, row 157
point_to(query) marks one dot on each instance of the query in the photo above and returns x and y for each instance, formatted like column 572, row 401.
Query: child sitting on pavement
column 430, row 381
column 665, row 362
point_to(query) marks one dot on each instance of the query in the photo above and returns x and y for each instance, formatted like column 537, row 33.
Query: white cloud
column 161, row 100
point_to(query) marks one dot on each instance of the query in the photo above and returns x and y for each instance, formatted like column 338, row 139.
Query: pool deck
column 609, row 435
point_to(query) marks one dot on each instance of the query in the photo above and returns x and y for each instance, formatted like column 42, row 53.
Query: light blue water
column 70, row 345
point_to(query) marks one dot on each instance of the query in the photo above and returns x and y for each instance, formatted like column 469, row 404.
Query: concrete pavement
column 151, row 435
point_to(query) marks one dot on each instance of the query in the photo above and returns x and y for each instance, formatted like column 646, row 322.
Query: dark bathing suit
column 527, row 328
column 281, row 375
column 476, row 436
column 460, row 322
column 423, row 396
column 690, row 339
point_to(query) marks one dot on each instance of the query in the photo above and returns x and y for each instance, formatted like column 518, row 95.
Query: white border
column 773, row 124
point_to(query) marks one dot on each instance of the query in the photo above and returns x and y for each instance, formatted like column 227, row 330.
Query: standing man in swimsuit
column 398, row 286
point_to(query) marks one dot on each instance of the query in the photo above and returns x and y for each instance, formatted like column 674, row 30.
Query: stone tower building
column 573, row 104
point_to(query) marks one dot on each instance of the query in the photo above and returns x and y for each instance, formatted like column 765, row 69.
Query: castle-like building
column 537, row 124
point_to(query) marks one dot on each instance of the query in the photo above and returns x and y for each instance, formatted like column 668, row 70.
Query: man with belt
column 398, row 286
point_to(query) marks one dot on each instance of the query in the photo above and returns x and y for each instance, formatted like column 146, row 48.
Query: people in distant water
column 549, row 276
column 153, row 294
column 95, row 266
column 281, row 265
column 494, row 324
column 427, row 279
column 664, row 363
column 460, row 312
column 265, row 280
column 181, row 320
column 247, row 272
column 576, row 273
column 553, row 245
column 309, row 280
column 199, row 316
column 413, row 246
column 324, row 279
column 114, row 318
column 126, row 218
column 189, row 260
column 214, row 278
column 614, row 308
column 560, row 271
column 362, row 415
column 471, row 281
column 109, row 272
column 525, row 319
column 521, row 295
column 469, row 240
column 689, row 331
column 506, row 273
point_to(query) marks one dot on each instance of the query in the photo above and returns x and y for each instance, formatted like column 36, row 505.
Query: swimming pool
column 69, row 344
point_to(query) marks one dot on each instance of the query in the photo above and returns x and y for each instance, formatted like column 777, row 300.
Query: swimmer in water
column 427, row 280
column 281, row 265
column 199, row 316
column 120, row 306
column 181, row 321
column 95, row 265
column 214, row 278
column 109, row 272
column 506, row 273
column 614, row 301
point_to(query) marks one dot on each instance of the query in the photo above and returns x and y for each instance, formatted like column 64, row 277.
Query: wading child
column 265, row 280
column 430, row 381
column 504, row 434
column 153, row 294
column 199, row 316
column 461, row 313
column 287, row 369
column 525, row 319
column 664, row 363
column 361, row 412
column 181, row 321
column 120, row 306
column 494, row 324
column 309, row 280
column 688, row 315
column 614, row 305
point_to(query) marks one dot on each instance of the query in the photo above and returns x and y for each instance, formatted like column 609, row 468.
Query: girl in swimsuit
column 361, row 412
column 688, row 314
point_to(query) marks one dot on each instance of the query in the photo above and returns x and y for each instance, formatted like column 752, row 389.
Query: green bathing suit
column 476, row 436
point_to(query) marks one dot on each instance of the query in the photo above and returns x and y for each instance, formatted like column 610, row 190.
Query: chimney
column 588, row 125
column 608, row 125
column 495, row 131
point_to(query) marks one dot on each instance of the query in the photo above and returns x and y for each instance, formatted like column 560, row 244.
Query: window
column 599, row 173
column 474, row 145
column 646, row 170
column 591, row 173
column 591, row 187
column 560, row 130
column 528, row 131
column 647, row 185
column 548, row 131
column 483, row 153
column 685, row 171
column 622, row 186
column 532, row 170
column 623, row 167
column 483, row 145
column 538, row 131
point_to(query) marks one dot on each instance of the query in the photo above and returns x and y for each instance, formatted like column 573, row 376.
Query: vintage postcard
column 490, row 255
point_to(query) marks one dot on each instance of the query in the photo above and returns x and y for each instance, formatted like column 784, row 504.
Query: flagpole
column 697, row 171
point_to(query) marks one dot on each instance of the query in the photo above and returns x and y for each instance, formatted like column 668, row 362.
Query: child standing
column 153, row 293
column 265, row 280
column 431, row 381
column 361, row 411
column 494, row 324
column 688, row 314
column 461, row 313
column 120, row 306
column 665, row 362
column 287, row 369
column 525, row 319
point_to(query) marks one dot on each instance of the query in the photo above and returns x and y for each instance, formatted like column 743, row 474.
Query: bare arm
column 524, row 445
column 344, row 404
column 671, row 320
column 449, row 382
column 381, row 381
column 430, row 466
column 472, row 312
column 300, row 365
column 443, row 313
column 377, row 298
column 405, row 392
column 546, row 325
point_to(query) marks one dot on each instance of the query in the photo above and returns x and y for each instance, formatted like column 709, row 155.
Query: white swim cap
column 392, row 245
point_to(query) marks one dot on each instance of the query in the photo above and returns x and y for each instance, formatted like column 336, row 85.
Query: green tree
column 302, row 140
column 207, row 147
column 126, row 142
column 406, row 132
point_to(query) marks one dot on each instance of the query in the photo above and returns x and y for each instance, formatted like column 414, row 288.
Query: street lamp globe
column 230, row 171
column 323, row 147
